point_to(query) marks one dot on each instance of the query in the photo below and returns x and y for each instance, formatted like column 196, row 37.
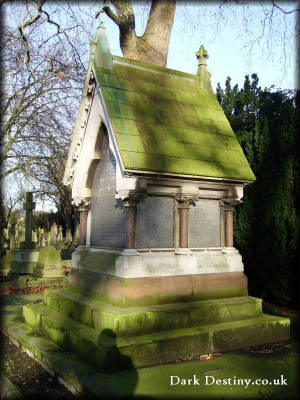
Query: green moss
column 139, row 100
column 32, row 316
column 49, row 256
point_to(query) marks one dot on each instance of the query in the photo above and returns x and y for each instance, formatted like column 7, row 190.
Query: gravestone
column 155, row 171
column 60, row 239
column 25, row 258
column 12, row 236
column 6, row 253
column 4, row 239
column 42, row 238
column 35, row 236
column 49, row 261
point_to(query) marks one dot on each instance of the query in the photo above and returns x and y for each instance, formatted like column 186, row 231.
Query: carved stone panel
column 204, row 224
column 107, row 213
column 155, row 223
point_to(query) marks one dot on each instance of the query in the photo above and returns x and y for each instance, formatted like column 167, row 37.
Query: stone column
column 183, row 204
column 228, row 207
column 83, row 226
column 228, row 226
column 130, row 222
column 83, row 207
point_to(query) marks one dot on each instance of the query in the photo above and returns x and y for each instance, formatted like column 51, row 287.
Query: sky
column 231, row 37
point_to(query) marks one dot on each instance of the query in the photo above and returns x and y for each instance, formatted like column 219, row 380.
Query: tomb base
column 99, row 333
column 151, row 319
column 24, row 261
column 49, row 263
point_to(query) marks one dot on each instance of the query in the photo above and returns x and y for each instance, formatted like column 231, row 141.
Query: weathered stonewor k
column 156, row 171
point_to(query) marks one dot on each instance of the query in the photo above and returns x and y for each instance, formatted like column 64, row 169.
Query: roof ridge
column 149, row 66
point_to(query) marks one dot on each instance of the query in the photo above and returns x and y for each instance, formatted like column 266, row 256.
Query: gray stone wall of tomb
column 155, row 223
column 204, row 224
column 107, row 213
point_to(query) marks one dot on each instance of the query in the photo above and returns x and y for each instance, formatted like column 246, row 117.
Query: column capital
column 82, row 203
column 132, row 197
column 229, row 204
column 184, row 201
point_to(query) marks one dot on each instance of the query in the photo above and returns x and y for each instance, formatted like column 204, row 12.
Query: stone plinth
column 24, row 261
column 160, row 305
column 49, row 263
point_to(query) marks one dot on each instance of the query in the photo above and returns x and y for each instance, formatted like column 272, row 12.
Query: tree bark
column 153, row 45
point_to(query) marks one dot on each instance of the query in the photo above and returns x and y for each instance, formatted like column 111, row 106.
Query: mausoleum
column 156, row 172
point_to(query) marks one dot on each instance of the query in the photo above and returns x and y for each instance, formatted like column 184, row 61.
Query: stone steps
column 104, row 350
column 141, row 320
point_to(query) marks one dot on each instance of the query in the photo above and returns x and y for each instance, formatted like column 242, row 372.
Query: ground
column 275, row 361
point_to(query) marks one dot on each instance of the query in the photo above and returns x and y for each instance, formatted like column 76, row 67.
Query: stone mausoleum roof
column 166, row 121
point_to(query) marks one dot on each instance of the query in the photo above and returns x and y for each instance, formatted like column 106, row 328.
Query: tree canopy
column 266, row 123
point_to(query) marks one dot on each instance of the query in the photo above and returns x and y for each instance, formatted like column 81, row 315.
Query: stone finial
column 203, row 75
column 100, row 12
column 202, row 55
column 99, row 47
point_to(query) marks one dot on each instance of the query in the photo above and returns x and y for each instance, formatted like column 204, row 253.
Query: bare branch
column 28, row 23
column 108, row 11
column 51, row 22
column 282, row 10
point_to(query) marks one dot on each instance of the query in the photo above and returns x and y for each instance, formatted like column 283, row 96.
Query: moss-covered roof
column 165, row 123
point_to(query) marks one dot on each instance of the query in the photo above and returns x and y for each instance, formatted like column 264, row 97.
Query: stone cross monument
column 25, row 259
column 28, row 206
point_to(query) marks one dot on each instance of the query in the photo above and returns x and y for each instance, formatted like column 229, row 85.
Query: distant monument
column 49, row 261
column 25, row 258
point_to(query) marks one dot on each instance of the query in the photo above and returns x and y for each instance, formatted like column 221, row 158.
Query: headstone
column 49, row 262
column 34, row 236
column 53, row 234
column 60, row 239
column 5, row 262
column 18, row 235
column 42, row 239
column 25, row 258
column 68, row 239
column 12, row 237
column 5, row 241
column 47, row 238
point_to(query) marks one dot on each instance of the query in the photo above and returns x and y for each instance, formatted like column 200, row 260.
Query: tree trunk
column 153, row 45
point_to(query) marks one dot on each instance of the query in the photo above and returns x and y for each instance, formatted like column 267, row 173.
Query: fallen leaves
column 202, row 357
column 28, row 290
